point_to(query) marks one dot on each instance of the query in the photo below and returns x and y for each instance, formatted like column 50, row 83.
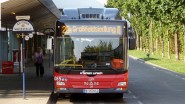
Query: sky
column 79, row 3
column 1, row 1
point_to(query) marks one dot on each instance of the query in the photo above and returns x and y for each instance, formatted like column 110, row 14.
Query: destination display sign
column 91, row 28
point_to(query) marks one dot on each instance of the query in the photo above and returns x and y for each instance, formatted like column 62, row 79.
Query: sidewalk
column 38, row 89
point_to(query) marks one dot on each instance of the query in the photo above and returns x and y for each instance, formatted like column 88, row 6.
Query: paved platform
column 38, row 89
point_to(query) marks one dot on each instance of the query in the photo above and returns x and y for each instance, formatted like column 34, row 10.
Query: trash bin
column 7, row 67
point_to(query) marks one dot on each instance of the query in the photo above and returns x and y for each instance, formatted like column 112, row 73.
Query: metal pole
column 49, row 57
column 24, row 91
column 22, row 66
column 19, row 57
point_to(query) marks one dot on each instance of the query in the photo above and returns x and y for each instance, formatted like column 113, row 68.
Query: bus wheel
column 119, row 95
column 60, row 95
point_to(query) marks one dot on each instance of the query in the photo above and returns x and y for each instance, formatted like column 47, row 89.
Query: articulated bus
column 90, row 52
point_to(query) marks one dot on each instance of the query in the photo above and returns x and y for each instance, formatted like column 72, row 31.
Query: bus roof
column 90, row 13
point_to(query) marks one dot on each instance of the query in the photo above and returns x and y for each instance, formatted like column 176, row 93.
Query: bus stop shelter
column 43, row 14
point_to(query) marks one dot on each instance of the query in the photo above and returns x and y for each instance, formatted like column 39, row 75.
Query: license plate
column 91, row 91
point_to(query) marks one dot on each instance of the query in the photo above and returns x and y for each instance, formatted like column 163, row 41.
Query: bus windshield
column 88, row 52
column 97, row 45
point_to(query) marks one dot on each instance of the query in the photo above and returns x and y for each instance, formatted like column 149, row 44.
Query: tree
column 159, row 19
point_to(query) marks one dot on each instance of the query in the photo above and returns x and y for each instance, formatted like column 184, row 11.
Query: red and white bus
column 90, row 52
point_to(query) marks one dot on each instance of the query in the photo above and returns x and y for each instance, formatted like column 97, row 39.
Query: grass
column 171, row 64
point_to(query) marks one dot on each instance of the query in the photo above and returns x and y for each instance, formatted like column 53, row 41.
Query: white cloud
column 102, row 1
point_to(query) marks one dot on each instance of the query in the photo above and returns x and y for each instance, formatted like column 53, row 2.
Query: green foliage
column 166, row 15
column 102, row 46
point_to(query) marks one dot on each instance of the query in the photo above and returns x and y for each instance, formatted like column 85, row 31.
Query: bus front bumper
column 74, row 90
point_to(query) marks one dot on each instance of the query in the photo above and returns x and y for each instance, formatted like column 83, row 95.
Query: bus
column 90, row 52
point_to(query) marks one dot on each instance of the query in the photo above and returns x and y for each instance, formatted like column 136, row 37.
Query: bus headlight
column 60, row 83
column 63, row 88
column 122, row 83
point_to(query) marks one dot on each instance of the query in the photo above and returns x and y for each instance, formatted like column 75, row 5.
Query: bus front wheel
column 119, row 95
column 61, row 95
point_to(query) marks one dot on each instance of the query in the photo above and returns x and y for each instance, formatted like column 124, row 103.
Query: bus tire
column 119, row 95
column 61, row 95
